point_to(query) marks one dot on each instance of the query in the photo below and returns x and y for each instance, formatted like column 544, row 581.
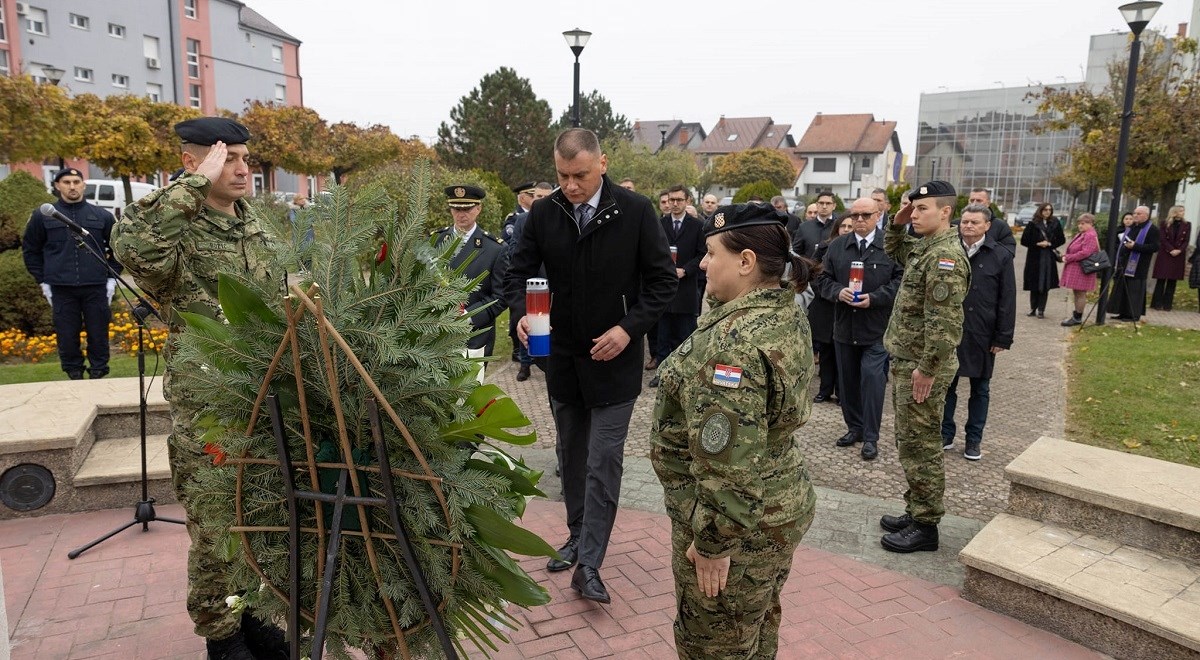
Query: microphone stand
column 143, row 512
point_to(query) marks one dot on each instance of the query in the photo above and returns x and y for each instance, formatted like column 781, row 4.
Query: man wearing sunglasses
column 859, row 322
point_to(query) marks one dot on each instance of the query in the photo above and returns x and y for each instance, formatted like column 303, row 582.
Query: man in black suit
column 998, row 229
column 486, row 253
column 858, row 326
column 685, row 235
column 812, row 232
column 610, row 274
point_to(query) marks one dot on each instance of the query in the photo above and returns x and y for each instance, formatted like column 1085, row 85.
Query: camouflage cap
column 743, row 215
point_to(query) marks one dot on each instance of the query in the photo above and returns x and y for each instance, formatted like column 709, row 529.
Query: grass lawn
column 120, row 365
column 1137, row 392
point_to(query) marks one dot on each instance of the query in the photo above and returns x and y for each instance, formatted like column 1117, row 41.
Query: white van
column 110, row 193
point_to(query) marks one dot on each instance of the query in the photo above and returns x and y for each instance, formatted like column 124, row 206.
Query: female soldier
column 735, row 484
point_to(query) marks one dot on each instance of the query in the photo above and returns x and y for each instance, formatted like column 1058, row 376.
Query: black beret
column 743, row 215
column 464, row 196
column 68, row 171
column 526, row 187
column 207, row 131
column 931, row 189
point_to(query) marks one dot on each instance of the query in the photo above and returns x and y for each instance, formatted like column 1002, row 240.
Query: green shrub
column 20, row 194
column 394, row 178
column 764, row 189
column 22, row 305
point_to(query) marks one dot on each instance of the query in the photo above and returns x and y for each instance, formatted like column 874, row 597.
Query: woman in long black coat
column 1042, row 236
column 820, row 319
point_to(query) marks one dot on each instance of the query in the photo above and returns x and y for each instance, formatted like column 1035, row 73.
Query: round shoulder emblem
column 940, row 291
column 715, row 434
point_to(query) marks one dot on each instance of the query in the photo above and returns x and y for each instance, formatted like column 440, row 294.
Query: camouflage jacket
column 732, row 394
column 175, row 246
column 927, row 319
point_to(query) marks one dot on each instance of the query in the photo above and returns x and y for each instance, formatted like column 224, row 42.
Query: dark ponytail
column 773, row 246
column 802, row 271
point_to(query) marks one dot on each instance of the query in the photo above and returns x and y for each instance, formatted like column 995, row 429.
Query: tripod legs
column 143, row 514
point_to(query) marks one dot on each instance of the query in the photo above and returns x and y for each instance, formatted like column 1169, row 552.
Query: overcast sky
column 406, row 64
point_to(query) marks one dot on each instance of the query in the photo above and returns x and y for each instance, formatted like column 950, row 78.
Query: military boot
column 231, row 648
column 266, row 640
column 895, row 523
column 917, row 536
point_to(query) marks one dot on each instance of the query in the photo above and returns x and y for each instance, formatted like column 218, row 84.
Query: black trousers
column 1164, row 294
column 1038, row 300
column 591, row 451
column 77, row 308
column 673, row 328
column 862, row 380
column 828, row 369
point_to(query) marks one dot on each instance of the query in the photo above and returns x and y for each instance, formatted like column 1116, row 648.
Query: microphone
column 49, row 211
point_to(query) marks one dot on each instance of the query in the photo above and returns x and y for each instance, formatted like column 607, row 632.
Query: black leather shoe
column 654, row 382
column 821, row 398
column 75, row 375
column 869, row 451
column 567, row 555
column 1032, row 313
column 587, row 582
column 523, row 373
column 1041, row 314
column 895, row 523
column 849, row 439
column 915, row 537
column 265, row 640
column 231, row 648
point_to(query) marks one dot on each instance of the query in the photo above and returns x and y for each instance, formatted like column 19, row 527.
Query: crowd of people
column 740, row 307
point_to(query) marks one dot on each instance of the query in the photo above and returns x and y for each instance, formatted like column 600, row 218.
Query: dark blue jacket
column 881, row 279
column 54, row 257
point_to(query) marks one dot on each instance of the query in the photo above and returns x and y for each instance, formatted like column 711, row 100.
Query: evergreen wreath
column 364, row 321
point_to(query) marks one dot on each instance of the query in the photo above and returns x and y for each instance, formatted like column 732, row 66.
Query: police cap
column 464, row 196
column 743, row 215
column 931, row 189
column 207, row 131
column 68, row 171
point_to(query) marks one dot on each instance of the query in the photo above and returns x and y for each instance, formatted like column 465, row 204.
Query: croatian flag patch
column 945, row 264
column 727, row 376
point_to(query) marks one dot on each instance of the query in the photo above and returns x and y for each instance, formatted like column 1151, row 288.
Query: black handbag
column 1095, row 262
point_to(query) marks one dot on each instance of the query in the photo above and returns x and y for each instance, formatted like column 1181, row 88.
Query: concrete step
column 1133, row 500
column 118, row 460
column 1121, row 600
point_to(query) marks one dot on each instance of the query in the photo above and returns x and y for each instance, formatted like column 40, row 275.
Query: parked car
column 110, row 193
column 1025, row 214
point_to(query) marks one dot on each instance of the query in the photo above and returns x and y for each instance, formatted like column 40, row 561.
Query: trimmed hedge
column 20, row 194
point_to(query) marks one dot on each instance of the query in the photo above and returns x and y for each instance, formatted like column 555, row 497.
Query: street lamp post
column 576, row 39
column 1137, row 15
column 662, row 129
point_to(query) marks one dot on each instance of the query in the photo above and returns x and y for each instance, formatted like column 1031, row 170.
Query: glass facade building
column 985, row 139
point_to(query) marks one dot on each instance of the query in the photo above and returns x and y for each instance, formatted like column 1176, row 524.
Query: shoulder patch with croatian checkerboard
column 946, row 264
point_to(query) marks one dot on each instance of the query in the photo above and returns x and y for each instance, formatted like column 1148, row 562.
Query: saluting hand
column 904, row 216
column 213, row 163
column 712, row 575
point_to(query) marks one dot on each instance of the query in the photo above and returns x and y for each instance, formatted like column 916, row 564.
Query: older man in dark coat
column 989, row 318
column 610, row 274
column 859, row 323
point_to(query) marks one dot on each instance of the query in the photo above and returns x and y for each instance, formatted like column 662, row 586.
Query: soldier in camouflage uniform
column 731, row 396
column 922, row 337
column 175, row 242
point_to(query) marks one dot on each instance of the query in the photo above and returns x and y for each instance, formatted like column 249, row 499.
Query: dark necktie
column 862, row 246
column 583, row 215
column 678, row 223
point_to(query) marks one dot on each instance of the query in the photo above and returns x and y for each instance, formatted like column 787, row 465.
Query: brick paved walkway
column 125, row 599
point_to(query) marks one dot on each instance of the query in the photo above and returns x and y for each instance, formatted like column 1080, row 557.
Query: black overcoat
column 881, row 280
column 691, row 249
column 820, row 311
column 617, row 272
column 989, row 310
column 1041, row 269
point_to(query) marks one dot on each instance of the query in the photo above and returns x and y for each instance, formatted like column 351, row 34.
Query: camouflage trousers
column 207, row 570
column 743, row 620
column 919, row 441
